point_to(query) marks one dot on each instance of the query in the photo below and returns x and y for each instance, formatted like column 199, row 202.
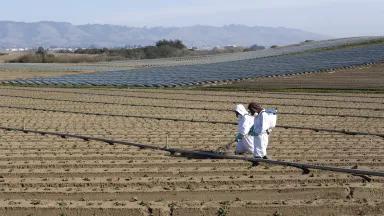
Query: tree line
column 162, row 49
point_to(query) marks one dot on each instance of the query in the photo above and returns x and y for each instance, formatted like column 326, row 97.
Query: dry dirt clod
column 133, row 199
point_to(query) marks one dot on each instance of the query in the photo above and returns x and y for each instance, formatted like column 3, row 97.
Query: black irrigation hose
column 213, row 101
column 178, row 107
column 332, row 130
column 192, row 120
column 194, row 153
column 257, row 95
column 169, row 91
column 333, row 95
column 197, row 94
column 176, row 93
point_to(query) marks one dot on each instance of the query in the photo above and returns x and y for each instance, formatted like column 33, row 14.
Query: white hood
column 241, row 109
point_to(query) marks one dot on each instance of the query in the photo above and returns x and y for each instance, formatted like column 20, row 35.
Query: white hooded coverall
column 261, row 126
column 245, row 123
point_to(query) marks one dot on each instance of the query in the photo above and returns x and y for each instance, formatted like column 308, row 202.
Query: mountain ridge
column 65, row 34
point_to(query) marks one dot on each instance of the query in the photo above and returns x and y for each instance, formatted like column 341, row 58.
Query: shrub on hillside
column 162, row 49
column 178, row 44
column 33, row 58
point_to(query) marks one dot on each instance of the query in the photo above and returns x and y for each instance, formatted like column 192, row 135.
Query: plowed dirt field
column 49, row 175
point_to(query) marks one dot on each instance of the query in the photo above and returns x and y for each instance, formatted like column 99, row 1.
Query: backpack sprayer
column 272, row 119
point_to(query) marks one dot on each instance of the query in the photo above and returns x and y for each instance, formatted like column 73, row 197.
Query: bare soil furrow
column 341, row 95
column 182, row 194
column 147, row 172
column 374, row 164
column 273, row 102
column 200, row 95
column 348, row 147
column 281, row 156
column 78, row 104
column 169, row 183
column 57, row 175
column 318, row 207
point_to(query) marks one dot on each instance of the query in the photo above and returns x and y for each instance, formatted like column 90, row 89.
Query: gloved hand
column 239, row 137
column 252, row 132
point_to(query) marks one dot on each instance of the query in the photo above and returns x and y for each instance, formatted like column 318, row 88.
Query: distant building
column 16, row 49
column 230, row 46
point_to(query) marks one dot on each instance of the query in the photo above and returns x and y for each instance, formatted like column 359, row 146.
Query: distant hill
column 61, row 34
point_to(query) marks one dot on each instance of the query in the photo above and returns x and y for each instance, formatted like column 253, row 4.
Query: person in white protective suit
column 245, row 123
column 260, row 130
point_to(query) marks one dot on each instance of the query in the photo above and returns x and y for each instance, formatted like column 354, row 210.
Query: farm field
column 6, row 57
column 191, row 60
column 11, row 74
column 223, row 71
column 311, row 57
column 50, row 175
column 364, row 78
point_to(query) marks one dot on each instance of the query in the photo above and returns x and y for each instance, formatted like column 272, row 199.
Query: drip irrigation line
column 180, row 107
column 333, row 95
column 213, row 155
column 194, row 121
column 165, row 91
column 191, row 94
column 266, row 92
column 221, row 101
column 257, row 95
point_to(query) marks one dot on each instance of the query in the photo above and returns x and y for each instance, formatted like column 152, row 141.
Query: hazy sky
column 337, row 18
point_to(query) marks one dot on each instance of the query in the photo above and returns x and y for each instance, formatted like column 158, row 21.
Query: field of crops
column 194, row 70
column 224, row 71
column 188, row 60
column 50, row 175
column 362, row 78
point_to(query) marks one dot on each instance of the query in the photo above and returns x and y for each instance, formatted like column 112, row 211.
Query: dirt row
column 48, row 175
column 360, row 122
column 126, row 92
column 196, row 97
